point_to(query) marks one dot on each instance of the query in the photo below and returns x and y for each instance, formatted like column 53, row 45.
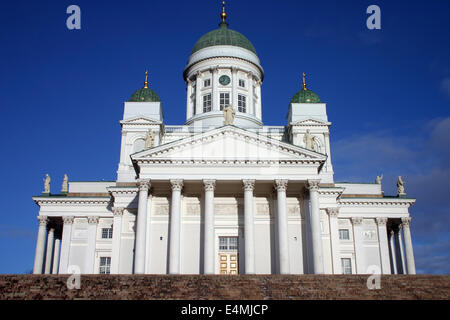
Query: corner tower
column 223, row 69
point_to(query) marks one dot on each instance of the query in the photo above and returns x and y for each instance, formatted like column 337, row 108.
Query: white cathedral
column 223, row 193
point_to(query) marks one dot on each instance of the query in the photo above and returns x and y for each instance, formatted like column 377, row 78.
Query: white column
column 282, row 226
column 316, row 232
column 215, row 92
column 141, row 221
column 91, row 240
column 251, row 107
column 259, row 101
column 189, row 109
column 49, row 255
column 40, row 245
column 384, row 246
column 234, row 79
column 393, row 252
column 249, row 233
column 334, row 238
column 117, row 234
column 408, row 246
column 209, row 255
column 400, row 246
column 175, row 227
column 65, row 244
column 358, row 241
column 56, row 256
column 198, row 97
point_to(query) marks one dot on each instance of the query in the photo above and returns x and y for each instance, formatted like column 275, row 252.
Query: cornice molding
column 355, row 202
column 103, row 201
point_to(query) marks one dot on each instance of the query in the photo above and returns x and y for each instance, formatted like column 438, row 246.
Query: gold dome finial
column 146, row 79
column 304, row 81
column 223, row 15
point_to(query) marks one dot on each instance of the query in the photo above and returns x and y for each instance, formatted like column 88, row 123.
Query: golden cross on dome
column 223, row 15
column 304, row 81
column 146, row 79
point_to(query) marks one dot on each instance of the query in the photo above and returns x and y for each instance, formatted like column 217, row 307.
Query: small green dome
column 145, row 95
column 305, row 96
column 223, row 37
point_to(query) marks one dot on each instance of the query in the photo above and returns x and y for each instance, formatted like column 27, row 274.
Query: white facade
column 212, row 199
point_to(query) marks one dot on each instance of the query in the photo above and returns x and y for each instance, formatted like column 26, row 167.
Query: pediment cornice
column 140, row 120
column 310, row 122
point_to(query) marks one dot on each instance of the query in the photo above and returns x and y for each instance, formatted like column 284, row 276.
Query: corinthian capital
column 177, row 184
column 143, row 184
column 210, row 185
column 357, row 221
column 68, row 219
column 93, row 220
column 333, row 212
column 313, row 185
column 43, row 220
column 381, row 221
column 249, row 185
column 117, row 211
column 406, row 221
column 281, row 184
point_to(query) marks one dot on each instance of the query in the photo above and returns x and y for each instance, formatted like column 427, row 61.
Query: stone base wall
column 243, row 287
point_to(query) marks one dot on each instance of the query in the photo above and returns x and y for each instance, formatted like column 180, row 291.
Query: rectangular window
column 207, row 83
column 228, row 243
column 346, row 265
column 241, row 83
column 344, row 234
column 224, row 99
column 207, row 102
column 242, row 104
column 107, row 233
column 105, row 265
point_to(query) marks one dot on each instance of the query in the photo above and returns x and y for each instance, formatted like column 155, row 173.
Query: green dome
column 305, row 96
column 223, row 37
column 144, row 95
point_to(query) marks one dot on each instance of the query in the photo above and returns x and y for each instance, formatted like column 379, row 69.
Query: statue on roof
column 65, row 184
column 378, row 179
column 228, row 114
column 400, row 186
column 47, row 184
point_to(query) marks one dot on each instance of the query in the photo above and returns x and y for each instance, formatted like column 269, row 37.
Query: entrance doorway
column 228, row 255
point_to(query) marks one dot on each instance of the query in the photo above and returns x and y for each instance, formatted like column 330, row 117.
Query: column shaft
column 316, row 232
column 141, row 226
column 209, row 256
column 117, row 234
column 49, row 255
column 175, row 227
column 384, row 245
column 249, row 233
column 408, row 246
column 56, row 256
column 65, row 244
column 40, row 245
column 393, row 252
column 359, row 249
column 401, row 253
column 91, row 240
column 334, row 238
column 282, row 226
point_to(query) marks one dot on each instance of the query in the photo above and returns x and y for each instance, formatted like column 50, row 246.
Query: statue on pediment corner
column 65, row 184
column 228, row 114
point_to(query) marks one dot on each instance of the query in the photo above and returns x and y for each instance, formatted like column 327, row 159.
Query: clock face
column 224, row 80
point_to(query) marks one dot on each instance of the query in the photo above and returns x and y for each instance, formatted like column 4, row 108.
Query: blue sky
column 387, row 93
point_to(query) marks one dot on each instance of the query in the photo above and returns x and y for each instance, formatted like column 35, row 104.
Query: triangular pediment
column 310, row 122
column 230, row 143
column 140, row 120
